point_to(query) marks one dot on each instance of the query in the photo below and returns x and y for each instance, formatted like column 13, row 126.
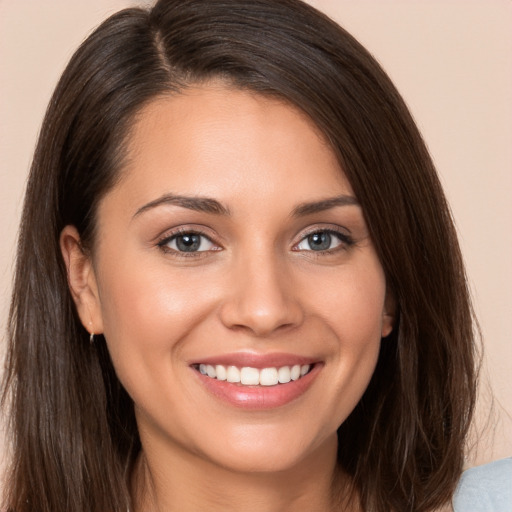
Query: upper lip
column 254, row 360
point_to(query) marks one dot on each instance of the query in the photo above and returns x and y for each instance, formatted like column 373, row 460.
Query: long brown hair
column 73, row 431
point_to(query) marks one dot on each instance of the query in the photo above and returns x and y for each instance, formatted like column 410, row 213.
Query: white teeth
column 221, row 372
column 248, row 376
column 269, row 377
column 233, row 374
column 295, row 373
column 284, row 375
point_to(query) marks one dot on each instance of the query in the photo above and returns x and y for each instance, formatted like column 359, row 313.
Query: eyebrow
column 325, row 204
column 198, row 204
column 209, row 205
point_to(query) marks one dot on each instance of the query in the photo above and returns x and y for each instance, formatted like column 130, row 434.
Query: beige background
column 452, row 61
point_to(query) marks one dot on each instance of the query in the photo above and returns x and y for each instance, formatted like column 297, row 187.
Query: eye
column 323, row 240
column 187, row 242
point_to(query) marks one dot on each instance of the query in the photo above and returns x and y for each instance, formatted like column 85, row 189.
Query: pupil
column 319, row 241
column 188, row 243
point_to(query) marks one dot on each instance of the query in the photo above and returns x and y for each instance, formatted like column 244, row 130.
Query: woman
column 238, row 283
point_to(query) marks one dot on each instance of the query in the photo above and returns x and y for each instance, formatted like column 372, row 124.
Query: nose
column 262, row 298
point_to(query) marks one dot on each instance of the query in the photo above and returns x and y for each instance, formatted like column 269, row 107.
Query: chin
column 270, row 452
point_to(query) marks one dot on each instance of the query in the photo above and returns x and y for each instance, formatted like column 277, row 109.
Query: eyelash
column 168, row 238
column 346, row 241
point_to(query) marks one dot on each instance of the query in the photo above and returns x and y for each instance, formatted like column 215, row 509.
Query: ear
column 81, row 280
column 388, row 314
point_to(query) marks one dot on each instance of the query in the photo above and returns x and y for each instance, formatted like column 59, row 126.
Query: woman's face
column 233, row 245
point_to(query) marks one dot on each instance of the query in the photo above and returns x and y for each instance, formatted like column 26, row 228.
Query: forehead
column 219, row 141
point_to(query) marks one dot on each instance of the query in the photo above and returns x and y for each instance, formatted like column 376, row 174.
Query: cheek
column 351, row 306
column 351, row 302
column 147, row 311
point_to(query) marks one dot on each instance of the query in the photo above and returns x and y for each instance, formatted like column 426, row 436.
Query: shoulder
column 486, row 488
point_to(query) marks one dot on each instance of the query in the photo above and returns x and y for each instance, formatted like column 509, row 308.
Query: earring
column 91, row 338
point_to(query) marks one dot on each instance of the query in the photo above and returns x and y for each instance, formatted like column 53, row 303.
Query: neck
column 188, row 483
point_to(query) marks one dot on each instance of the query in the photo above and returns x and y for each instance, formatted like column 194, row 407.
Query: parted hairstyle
column 72, row 425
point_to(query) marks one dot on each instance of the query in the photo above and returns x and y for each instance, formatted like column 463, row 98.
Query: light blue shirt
column 486, row 488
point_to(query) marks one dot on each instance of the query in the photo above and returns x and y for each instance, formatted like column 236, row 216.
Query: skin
column 258, row 287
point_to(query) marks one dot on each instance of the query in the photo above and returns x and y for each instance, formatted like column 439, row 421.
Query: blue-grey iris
column 319, row 241
column 188, row 243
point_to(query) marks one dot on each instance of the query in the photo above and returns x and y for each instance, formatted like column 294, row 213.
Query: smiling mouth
column 248, row 376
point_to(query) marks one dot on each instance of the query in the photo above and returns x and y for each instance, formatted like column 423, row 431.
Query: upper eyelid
column 346, row 239
column 175, row 232
column 172, row 233
column 163, row 244
column 340, row 230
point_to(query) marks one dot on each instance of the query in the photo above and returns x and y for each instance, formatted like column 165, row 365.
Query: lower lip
column 259, row 397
